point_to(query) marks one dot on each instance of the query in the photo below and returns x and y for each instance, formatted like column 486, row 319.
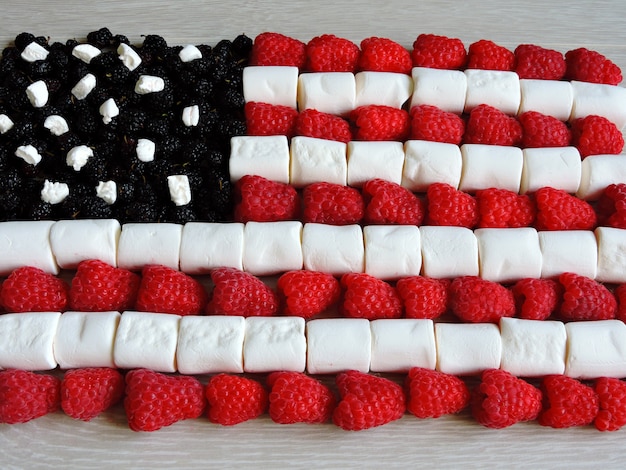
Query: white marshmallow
column 398, row 345
column 149, row 84
column 54, row 192
column 6, row 124
column 84, row 86
column 141, row 244
column 128, row 56
column 205, row 246
column 73, row 241
column 266, row 156
column 382, row 88
column 78, row 156
column 554, row 167
column 611, row 255
column 86, row 52
column 37, row 93
column 392, row 251
column 370, row 160
column 338, row 344
column 427, row 162
column 26, row 243
column 550, row 97
column 573, row 251
column 603, row 100
column 533, row 348
column 191, row 115
column 496, row 88
column 27, row 339
column 85, row 339
column 277, row 85
column 449, row 252
column 333, row 249
column 598, row 172
column 107, row 191
column 327, row 92
column 210, row 344
column 146, row 339
column 467, row 348
column 445, row 89
column 108, row 110
column 274, row 343
column 29, row 154
column 57, row 125
column 34, row 52
column 508, row 254
column 272, row 247
column 189, row 53
column 180, row 191
column 314, row 160
column 491, row 166
column 145, row 150
column 596, row 349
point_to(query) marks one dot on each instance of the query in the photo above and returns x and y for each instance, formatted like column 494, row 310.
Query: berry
column 100, row 287
column 585, row 65
column 423, row 297
column 540, row 130
column 611, row 394
column 154, row 400
column 278, row 49
column 332, row 204
column 538, row 63
column 384, row 55
column 611, row 207
column 368, row 297
column 567, row 402
column 536, row 299
column 450, row 207
column 436, row 125
column 438, row 52
column 585, row 299
column 314, row 123
column 165, row 290
column 261, row 200
column 307, row 293
column 329, row 53
column 367, row 401
column 620, row 296
column 391, row 204
column 431, row 394
column 30, row 289
column 270, row 119
column 26, row 395
column 240, row 293
column 380, row 122
column 501, row 208
column 298, row 398
column 558, row 210
column 477, row 300
column 490, row 126
column 500, row 400
column 233, row 399
column 596, row 135
column 85, row 393
column 487, row 55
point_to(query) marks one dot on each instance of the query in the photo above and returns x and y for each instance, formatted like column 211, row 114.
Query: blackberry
column 96, row 208
column 231, row 127
column 181, row 214
column 203, row 88
column 159, row 102
column 119, row 39
column 39, row 210
column 100, row 38
column 242, row 47
column 39, row 69
column 103, row 63
column 117, row 76
column 230, row 98
column 23, row 39
column 157, row 127
column 132, row 121
column 168, row 147
column 154, row 43
column 195, row 152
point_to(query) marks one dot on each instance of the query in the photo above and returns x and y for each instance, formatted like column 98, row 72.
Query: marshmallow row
column 225, row 344
column 451, row 90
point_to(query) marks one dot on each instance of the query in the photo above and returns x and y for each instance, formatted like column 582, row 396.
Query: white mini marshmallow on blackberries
column 34, row 52
column 84, row 86
column 57, row 125
column 29, row 154
column 86, row 52
column 128, row 56
column 108, row 110
column 107, row 191
column 180, row 192
column 37, row 93
column 149, row 84
column 189, row 53
column 191, row 115
column 6, row 123
column 145, row 150
column 54, row 192
column 77, row 156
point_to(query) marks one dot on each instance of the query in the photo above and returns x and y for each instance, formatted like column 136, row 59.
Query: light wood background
column 56, row 441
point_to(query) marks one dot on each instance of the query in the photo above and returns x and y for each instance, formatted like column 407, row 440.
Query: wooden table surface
column 57, row 441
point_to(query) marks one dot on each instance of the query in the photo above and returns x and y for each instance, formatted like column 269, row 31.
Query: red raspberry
column 270, row 119
column 423, row 297
column 436, row 125
column 558, row 210
column 332, row 204
column 611, row 207
column 234, row 399
column 30, row 289
column 501, row 208
column 536, row 62
column 85, row 393
column 540, row 130
column 591, row 66
column 487, row 55
column 297, row 398
column 488, row 125
column 389, row 203
column 307, row 293
column 476, row 300
column 567, row 402
column 165, row 290
column 154, row 400
column 368, row 297
column 100, row 287
column 261, row 200
column 313, row 123
column 451, row 207
column 438, row 52
column 596, row 135
column 367, row 401
column 431, row 394
column 278, row 49
column 384, row 55
column 620, row 296
column 536, row 299
column 379, row 122
column 25, row 395
column 501, row 400
column 329, row 53
column 585, row 299
column 240, row 293
column 612, row 404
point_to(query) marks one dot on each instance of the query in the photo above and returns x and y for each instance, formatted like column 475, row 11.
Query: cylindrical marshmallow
column 276, row 85
column 398, row 345
column 272, row 247
column 500, row 89
column 85, row 339
column 445, row 89
column 266, row 156
column 210, row 344
column 334, row 249
column 611, row 255
column 382, row 88
column 370, row 160
column 338, row 344
column 392, row 251
column 603, row 100
column 27, row 340
column 599, row 171
column 533, row 348
column 318, row 160
column 205, row 246
column 274, row 343
column 449, row 252
column 74, row 241
column 573, row 251
column 26, row 243
column 554, row 167
column 550, row 97
column 596, row 349
column 467, row 348
column 141, row 244
column 491, row 166
column 427, row 162
column 327, row 92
